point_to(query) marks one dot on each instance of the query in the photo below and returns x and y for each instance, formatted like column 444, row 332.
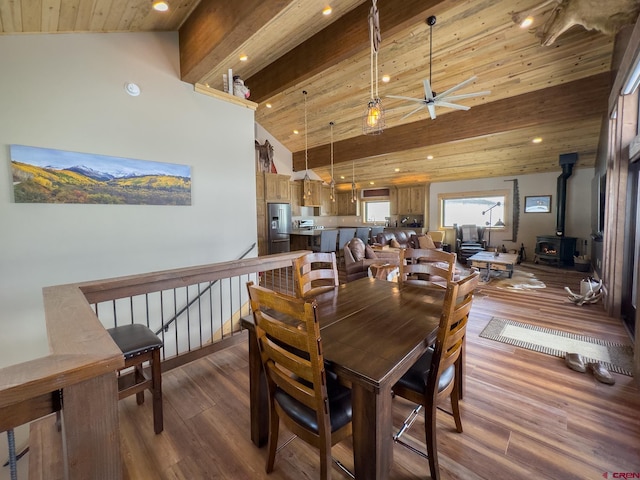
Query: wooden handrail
column 83, row 357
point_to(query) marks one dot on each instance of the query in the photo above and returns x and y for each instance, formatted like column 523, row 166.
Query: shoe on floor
column 601, row 373
column 575, row 362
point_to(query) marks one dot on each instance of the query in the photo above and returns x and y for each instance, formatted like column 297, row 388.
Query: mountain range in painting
column 82, row 184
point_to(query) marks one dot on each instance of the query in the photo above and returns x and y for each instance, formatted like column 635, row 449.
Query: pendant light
column 373, row 120
column 354, row 196
column 306, row 194
column 332, row 184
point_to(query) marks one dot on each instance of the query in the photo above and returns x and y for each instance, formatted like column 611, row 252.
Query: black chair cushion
column 416, row 377
column 339, row 406
column 134, row 339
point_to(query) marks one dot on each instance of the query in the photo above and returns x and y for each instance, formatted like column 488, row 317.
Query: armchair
column 358, row 257
column 469, row 241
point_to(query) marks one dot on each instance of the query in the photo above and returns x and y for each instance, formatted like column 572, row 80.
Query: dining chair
column 140, row 345
column 328, row 241
column 363, row 234
column 307, row 398
column 426, row 267
column 315, row 273
column 434, row 376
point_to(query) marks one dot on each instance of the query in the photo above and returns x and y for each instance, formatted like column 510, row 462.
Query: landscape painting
column 43, row 175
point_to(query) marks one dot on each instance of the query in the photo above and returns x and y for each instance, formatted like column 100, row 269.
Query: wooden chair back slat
column 315, row 273
column 418, row 266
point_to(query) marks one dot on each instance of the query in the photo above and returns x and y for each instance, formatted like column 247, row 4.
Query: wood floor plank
column 525, row 414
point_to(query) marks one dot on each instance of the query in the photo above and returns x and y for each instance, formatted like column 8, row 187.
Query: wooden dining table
column 372, row 332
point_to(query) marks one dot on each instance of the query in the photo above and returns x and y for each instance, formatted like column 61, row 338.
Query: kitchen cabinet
column 345, row 206
column 276, row 188
column 296, row 198
column 393, row 201
column 315, row 198
column 328, row 206
column 411, row 200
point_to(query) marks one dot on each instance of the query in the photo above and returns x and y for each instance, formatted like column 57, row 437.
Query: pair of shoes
column 575, row 362
column 601, row 373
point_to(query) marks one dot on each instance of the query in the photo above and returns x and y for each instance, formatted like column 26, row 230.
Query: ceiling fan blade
column 428, row 93
column 412, row 112
column 466, row 95
column 457, row 87
column 455, row 106
column 420, row 100
column 432, row 110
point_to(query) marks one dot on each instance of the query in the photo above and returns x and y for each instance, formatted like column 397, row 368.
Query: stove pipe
column 567, row 160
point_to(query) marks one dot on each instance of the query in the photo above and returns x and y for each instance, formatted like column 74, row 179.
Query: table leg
column 258, row 398
column 372, row 433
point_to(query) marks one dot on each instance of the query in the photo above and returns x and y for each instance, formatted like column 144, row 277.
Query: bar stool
column 138, row 345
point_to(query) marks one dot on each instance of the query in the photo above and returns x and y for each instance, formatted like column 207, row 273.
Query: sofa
column 358, row 257
column 401, row 235
column 407, row 238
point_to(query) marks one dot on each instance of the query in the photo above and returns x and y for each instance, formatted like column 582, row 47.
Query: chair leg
column 156, row 376
column 432, row 447
column 325, row 461
column 139, row 377
column 274, row 425
column 455, row 406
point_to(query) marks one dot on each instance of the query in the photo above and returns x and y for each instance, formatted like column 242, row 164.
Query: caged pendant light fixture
column 332, row 184
column 373, row 120
column 307, row 181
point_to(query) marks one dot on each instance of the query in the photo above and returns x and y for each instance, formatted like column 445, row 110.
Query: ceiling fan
column 432, row 100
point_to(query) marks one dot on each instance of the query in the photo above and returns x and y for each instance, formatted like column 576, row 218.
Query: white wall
column 67, row 92
column 578, row 211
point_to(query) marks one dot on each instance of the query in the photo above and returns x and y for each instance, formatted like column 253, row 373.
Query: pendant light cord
column 306, row 142
column 375, row 39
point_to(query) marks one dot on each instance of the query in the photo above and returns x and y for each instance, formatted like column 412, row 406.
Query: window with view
column 377, row 211
column 468, row 210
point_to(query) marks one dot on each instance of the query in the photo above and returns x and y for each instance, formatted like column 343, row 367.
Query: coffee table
column 502, row 262
column 384, row 271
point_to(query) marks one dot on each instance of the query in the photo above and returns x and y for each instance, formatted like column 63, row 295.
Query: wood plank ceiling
column 557, row 92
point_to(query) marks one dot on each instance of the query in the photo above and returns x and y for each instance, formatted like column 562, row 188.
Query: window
column 466, row 209
column 376, row 211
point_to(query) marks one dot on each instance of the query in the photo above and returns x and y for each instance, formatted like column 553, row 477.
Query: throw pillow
column 357, row 249
column 425, row 241
column 369, row 253
column 394, row 243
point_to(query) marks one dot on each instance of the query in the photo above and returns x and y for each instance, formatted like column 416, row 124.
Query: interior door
column 631, row 249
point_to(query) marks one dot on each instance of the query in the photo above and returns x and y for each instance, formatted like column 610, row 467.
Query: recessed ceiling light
column 268, row 105
column 396, row 170
column 295, row 132
column 327, row 10
column 537, row 140
column 132, row 89
column 160, row 5
column 341, row 177
column 243, row 58
column 372, row 183
column 386, row 78
column 429, row 157
column 526, row 22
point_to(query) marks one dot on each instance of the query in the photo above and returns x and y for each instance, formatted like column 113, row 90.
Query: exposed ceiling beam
column 342, row 39
column 216, row 28
column 572, row 100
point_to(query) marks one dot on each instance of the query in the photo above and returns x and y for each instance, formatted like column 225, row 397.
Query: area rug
column 519, row 281
column 615, row 356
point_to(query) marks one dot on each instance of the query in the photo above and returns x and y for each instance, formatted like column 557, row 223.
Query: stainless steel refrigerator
column 279, row 228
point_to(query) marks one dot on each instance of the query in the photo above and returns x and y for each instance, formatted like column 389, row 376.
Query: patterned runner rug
column 615, row 356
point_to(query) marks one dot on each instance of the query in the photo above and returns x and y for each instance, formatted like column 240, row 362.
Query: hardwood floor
column 525, row 414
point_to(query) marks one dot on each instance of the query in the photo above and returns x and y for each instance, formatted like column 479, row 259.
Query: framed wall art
column 538, row 204
column 45, row 175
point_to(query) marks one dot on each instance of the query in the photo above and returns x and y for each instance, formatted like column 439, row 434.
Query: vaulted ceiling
column 557, row 92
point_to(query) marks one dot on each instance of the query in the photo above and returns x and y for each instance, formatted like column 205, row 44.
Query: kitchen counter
column 305, row 232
